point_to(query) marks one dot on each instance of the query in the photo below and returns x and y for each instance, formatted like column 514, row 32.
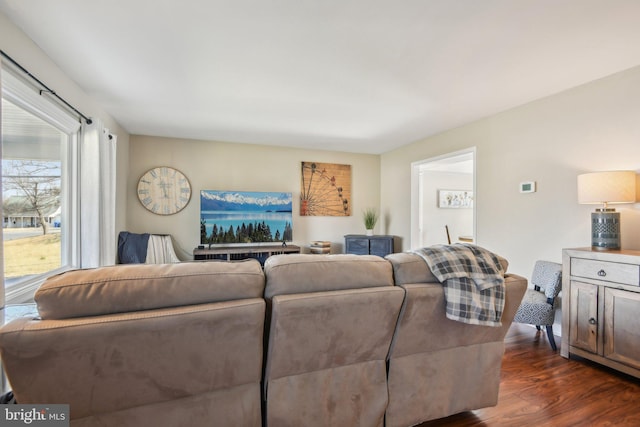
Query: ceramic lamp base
column 605, row 229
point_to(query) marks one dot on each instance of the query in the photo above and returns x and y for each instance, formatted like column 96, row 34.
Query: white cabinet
column 601, row 307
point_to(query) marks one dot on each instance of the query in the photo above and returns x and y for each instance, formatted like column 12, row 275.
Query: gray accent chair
column 538, row 306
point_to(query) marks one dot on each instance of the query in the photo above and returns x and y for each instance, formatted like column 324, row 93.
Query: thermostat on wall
column 528, row 187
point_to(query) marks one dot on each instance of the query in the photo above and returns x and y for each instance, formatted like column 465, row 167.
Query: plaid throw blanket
column 473, row 282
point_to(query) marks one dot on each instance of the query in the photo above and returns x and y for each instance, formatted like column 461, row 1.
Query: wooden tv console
column 238, row 252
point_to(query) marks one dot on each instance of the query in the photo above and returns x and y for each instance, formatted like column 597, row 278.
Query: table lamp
column 606, row 188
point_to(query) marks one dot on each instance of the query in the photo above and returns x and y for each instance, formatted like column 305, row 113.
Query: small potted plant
column 370, row 217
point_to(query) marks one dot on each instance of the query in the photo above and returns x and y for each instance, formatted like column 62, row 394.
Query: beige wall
column 22, row 49
column 589, row 128
column 211, row 165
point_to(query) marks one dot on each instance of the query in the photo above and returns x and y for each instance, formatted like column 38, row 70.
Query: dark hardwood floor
column 541, row 388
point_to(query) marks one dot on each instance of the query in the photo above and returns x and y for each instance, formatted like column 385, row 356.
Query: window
column 39, row 163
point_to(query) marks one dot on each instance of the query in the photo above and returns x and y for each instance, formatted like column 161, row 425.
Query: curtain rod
column 46, row 88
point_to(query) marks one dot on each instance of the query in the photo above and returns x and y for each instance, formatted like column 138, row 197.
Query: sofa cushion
column 409, row 267
column 302, row 273
column 103, row 365
column 133, row 287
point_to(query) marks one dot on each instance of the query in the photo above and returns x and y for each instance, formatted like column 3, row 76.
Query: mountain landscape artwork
column 245, row 217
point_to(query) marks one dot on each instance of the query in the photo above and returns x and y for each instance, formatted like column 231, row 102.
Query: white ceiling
column 351, row 75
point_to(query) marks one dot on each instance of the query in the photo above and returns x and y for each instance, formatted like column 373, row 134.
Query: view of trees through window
column 31, row 194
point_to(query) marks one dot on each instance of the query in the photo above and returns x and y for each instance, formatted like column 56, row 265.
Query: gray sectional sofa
column 310, row 340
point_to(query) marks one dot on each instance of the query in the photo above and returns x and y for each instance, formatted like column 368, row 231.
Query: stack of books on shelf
column 320, row 247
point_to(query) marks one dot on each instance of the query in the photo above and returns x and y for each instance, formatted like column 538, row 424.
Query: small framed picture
column 455, row 199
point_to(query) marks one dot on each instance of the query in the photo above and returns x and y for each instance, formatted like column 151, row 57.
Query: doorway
column 443, row 199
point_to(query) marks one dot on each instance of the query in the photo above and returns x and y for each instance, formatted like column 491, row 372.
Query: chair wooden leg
column 552, row 341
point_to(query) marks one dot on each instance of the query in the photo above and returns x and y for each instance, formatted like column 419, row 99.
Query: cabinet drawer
column 626, row 274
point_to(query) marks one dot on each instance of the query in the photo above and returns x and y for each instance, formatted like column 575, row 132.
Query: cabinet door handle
column 602, row 273
column 592, row 321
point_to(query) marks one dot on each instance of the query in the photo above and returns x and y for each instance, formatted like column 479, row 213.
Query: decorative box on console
column 359, row 244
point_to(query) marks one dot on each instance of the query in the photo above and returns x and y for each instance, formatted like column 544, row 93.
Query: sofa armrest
column 409, row 268
column 424, row 327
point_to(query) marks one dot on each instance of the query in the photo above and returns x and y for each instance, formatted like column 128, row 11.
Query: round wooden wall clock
column 164, row 190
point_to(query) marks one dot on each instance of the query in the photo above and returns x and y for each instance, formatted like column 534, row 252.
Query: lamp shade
column 607, row 187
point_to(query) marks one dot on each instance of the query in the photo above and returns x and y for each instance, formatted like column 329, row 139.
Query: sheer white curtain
column 97, row 196
column 1, row 234
column 18, row 141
